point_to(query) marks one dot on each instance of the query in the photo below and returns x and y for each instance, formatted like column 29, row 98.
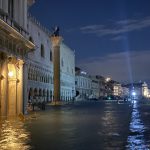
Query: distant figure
column 55, row 31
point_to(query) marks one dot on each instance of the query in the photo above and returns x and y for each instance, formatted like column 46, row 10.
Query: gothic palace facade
column 26, row 60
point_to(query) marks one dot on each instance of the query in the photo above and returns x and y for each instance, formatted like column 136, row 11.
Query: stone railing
column 10, row 21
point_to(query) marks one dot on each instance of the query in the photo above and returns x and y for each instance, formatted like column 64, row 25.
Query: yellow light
column 10, row 74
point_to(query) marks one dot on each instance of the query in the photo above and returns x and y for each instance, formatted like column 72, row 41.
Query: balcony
column 11, row 22
column 13, row 36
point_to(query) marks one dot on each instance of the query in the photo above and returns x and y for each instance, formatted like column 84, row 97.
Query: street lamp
column 10, row 74
column 108, row 79
column 133, row 94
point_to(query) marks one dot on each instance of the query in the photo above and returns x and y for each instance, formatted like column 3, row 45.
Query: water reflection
column 13, row 135
column 82, row 126
column 137, row 129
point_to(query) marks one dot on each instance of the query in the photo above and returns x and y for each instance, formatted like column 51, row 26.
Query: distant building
column 83, row 84
column 102, row 86
column 138, row 90
column 125, row 91
column 145, row 90
column 117, row 89
column 95, row 87
column 109, row 85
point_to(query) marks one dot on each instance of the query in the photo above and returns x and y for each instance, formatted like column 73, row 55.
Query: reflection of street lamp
column 10, row 74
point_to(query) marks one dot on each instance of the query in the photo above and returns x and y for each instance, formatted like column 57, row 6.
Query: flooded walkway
column 79, row 126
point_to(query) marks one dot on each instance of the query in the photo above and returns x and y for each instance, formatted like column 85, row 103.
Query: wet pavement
column 80, row 126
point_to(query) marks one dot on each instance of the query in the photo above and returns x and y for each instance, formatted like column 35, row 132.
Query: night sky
column 110, row 37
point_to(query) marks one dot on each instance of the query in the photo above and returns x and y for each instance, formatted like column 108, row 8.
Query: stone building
column 67, row 72
column 26, row 60
column 102, row 86
column 145, row 90
column 83, row 85
column 95, row 87
column 117, row 89
column 125, row 91
column 138, row 90
column 14, row 47
column 40, row 66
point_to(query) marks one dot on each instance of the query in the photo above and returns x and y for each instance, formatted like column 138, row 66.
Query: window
column 62, row 62
column 11, row 8
column 31, row 39
column 51, row 55
column 42, row 50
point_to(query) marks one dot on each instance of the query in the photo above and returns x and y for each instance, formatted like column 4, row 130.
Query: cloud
column 123, row 67
column 117, row 38
column 117, row 28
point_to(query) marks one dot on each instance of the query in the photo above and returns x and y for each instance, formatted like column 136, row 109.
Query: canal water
column 79, row 126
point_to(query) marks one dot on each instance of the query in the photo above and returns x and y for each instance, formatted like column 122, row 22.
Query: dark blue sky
column 102, row 29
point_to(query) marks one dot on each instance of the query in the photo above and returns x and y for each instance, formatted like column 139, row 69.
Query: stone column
column 25, row 87
column 12, row 97
column 4, row 88
column 20, row 88
column 0, row 88
column 56, row 41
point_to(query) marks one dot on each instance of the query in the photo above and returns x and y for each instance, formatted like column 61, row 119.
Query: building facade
column 26, row 60
column 117, row 89
column 125, row 91
column 40, row 66
column 95, row 87
column 14, row 47
column 138, row 90
column 145, row 90
column 83, row 85
column 102, row 86
column 67, row 72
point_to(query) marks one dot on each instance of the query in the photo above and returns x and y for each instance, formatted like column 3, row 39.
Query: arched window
column 51, row 55
column 42, row 50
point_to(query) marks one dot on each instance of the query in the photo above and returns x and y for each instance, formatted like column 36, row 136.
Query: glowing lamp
column 133, row 93
column 10, row 74
column 108, row 79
